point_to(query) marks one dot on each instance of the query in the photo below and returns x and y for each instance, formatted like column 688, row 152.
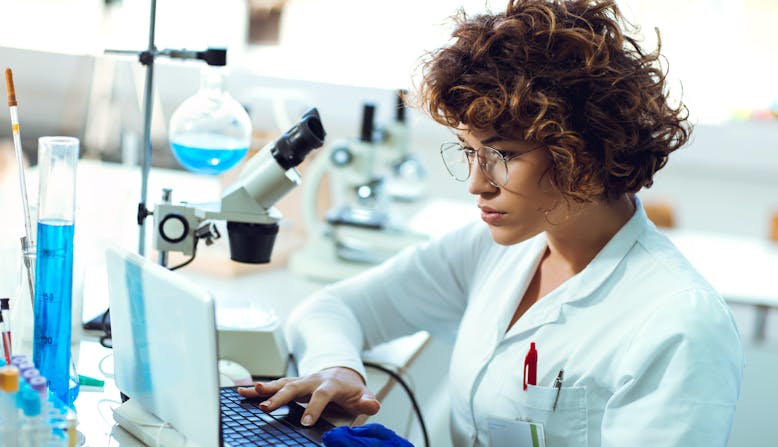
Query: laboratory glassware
column 22, row 301
column 210, row 132
column 28, row 245
column 57, row 159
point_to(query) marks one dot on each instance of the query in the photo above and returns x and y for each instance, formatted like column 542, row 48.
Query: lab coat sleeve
column 679, row 380
column 422, row 288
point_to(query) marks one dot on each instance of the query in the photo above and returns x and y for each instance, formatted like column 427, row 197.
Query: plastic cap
column 28, row 374
column 23, row 387
column 18, row 358
column 38, row 383
column 9, row 379
column 31, row 403
column 25, row 365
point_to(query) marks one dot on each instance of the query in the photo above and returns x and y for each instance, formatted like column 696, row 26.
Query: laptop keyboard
column 243, row 424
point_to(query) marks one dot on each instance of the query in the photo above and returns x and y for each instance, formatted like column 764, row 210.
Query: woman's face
column 524, row 206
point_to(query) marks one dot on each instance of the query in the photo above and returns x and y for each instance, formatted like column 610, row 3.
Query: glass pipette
column 28, row 243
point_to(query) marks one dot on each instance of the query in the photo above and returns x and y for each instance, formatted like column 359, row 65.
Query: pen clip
column 558, row 386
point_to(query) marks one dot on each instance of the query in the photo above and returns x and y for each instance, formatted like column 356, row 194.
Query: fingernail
column 265, row 403
column 307, row 419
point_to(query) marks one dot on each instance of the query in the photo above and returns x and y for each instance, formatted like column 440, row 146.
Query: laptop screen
column 164, row 342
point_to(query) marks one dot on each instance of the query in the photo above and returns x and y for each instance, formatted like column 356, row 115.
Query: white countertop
column 744, row 270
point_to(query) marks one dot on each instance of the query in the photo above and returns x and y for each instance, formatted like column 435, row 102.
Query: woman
column 559, row 118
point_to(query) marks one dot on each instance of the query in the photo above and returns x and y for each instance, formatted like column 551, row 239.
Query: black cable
column 394, row 375
column 194, row 253
column 105, row 339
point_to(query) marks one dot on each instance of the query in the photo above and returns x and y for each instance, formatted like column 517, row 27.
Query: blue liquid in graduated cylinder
column 53, row 298
column 208, row 153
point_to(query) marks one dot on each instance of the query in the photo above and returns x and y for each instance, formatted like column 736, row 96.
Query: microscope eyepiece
column 291, row 148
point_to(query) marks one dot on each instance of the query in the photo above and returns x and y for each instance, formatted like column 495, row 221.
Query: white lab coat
column 650, row 352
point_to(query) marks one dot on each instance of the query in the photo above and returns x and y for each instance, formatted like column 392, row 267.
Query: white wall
column 721, row 53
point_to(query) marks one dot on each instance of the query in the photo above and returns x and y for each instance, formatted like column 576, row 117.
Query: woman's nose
column 479, row 184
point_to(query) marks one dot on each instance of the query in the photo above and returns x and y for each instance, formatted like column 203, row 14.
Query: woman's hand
column 341, row 386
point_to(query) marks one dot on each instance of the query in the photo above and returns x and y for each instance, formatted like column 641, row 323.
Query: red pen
column 531, row 366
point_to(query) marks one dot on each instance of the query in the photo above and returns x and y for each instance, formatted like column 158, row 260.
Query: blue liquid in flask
column 208, row 153
column 53, row 299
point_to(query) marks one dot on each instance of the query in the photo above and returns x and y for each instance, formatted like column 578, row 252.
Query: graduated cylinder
column 57, row 159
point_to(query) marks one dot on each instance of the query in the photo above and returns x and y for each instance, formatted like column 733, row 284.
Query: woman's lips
column 491, row 216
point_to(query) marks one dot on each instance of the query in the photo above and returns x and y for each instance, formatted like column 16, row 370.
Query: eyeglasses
column 494, row 164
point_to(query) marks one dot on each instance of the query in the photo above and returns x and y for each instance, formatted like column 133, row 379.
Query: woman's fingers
column 368, row 404
column 249, row 393
column 354, row 401
column 341, row 386
column 292, row 390
column 274, row 385
column 319, row 400
column 264, row 389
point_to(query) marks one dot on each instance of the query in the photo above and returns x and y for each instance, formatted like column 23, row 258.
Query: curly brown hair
column 562, row 74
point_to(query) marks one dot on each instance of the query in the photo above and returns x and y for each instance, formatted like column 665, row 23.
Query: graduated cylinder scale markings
column 53, row 301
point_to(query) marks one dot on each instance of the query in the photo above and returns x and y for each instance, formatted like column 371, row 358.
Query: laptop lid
column 164, row 342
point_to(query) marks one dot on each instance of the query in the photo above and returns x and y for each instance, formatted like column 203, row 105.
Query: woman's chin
column 503, row 236
column 508, row 236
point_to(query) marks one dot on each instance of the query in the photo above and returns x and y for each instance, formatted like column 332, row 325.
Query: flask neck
column 212, row 81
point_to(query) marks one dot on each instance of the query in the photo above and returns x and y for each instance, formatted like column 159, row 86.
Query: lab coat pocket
column 565, row 426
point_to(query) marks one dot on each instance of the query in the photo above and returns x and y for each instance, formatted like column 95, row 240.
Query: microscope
column 246, row 205
column 369, row 178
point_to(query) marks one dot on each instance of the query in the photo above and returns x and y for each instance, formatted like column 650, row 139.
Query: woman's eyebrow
column 492, row 139
column 485, row 141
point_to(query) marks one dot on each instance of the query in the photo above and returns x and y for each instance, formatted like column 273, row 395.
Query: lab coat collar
column 584, row 284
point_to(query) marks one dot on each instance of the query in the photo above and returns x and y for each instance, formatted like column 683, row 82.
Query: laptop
column 165, row 360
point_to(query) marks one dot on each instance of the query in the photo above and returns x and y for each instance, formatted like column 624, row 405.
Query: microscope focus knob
column 341, row 156
column 173, row 228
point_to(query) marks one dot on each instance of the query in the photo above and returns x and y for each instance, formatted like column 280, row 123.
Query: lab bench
column 95, row 406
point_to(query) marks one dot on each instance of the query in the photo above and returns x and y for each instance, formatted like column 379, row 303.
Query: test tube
column 9, row 385
column 38, row 384
column 35, row 431
column 57, row 158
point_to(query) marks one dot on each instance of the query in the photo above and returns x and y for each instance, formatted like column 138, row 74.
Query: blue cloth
column 368, row 435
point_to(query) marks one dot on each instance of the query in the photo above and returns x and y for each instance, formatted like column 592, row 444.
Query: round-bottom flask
column 210, row 132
